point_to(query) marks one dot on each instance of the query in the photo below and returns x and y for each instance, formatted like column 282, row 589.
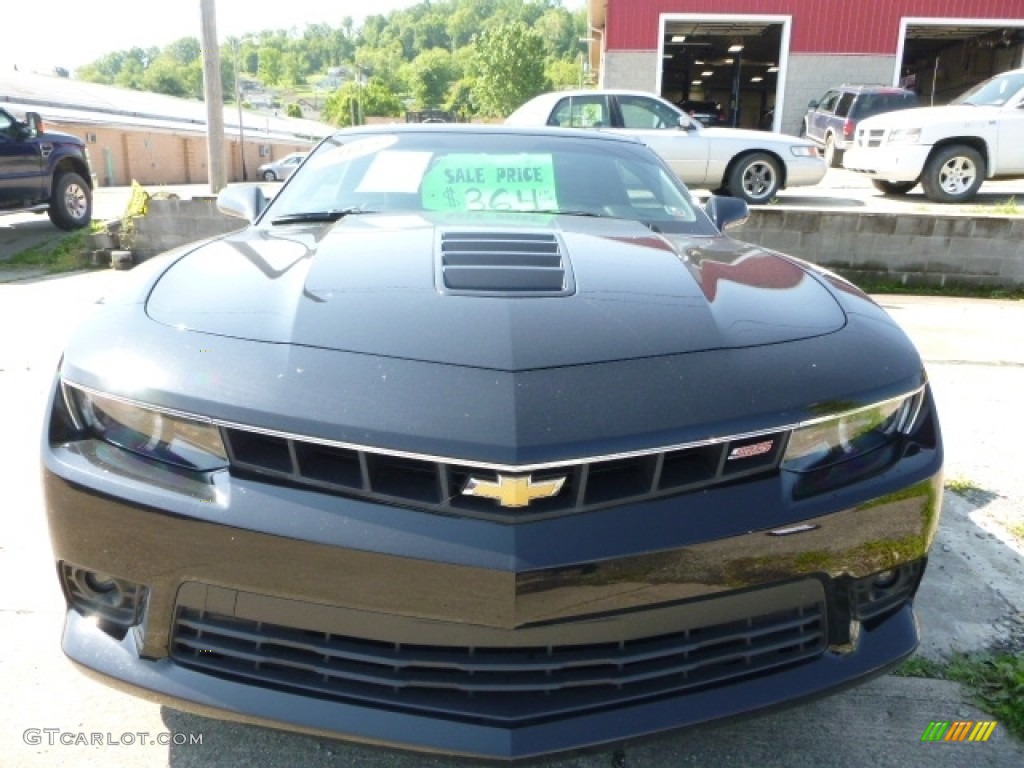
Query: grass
column 962, row 485
column 995, row 682
column 962, row 291
column 62, row 254
column 1006, row 208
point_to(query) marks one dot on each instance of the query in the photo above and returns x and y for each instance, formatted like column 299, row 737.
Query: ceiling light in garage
column 735, row 48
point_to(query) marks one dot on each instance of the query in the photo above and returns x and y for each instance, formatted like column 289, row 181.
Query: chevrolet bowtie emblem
column 513, row 490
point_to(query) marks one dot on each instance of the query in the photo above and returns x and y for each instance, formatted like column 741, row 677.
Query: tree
column 509, row 68
column 293, row 110
column 271, row 67
column 164, row 75
column 564, row 73
column 351, row 102
column 557, row 29
column 433, row 73
column 184, row 51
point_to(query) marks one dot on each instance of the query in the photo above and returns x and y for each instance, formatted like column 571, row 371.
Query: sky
column 74, row 33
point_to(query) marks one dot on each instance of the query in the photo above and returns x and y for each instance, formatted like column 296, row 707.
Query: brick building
column 752, row 56
column 152, row 138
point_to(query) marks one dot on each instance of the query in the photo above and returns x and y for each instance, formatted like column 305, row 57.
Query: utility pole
column 214, row 94
column 238, row 101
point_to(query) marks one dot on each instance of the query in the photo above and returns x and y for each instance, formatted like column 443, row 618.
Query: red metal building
column 758, row 57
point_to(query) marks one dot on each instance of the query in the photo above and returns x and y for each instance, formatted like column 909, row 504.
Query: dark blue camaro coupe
column 487, row 441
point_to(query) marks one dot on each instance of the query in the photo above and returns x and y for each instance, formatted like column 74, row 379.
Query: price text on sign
column 490, row 183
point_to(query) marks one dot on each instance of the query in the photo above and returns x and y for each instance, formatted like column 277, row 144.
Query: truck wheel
column 893, row 187
column 755, row 178
column 269, row 176
column 70, row 202
column 953, row 174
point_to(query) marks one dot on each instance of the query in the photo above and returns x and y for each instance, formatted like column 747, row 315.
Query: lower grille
column 506, row 685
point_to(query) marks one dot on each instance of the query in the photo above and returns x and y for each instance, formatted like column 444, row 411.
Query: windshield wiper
column 562, row 212
column 320, row 216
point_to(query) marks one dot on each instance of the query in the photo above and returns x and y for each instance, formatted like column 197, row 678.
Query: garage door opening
column 725, row 70
column 942, row 58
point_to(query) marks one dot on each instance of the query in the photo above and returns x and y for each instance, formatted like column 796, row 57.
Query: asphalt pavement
column 971, row 598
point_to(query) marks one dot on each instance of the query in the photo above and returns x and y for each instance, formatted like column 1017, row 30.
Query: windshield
column 464, row 171
column 995, row 92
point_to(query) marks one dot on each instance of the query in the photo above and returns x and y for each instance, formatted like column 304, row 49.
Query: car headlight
column 805, row 151
column 905, row 136
column 166, row 437
column 851, row 434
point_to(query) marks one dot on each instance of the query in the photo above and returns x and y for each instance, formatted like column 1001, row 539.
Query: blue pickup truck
column 44, row 170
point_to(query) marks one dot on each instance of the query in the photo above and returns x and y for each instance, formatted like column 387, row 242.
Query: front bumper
column 896, row 162
column 804, row 171
column 312, row 612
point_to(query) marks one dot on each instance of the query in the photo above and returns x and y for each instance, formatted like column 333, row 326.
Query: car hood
column 375, row 284
column 924, row 117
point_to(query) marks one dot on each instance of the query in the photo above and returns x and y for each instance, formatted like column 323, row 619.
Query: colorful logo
column 958, row 730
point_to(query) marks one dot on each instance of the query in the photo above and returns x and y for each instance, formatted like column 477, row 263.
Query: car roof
column 489, row 129
column 601, row 92
column 874, row 88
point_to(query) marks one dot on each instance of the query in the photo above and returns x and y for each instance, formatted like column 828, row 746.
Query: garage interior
column 734, row 64
column 941, row 61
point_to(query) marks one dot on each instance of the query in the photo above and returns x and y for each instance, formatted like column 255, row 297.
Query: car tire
column 833, row 156
column 893, row 187
column 953, row 174
column 70, row 202
column 269, row 176
column 755, row 178
column 802, row 133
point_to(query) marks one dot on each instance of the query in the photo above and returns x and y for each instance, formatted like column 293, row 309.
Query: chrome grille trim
column 438, row 485
column 495, row 466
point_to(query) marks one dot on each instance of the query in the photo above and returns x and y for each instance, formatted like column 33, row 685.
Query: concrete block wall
column 170, row 223
column 631, row 69
column 911, row 249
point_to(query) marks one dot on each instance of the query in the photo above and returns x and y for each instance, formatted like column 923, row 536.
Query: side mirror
column 726, row 212
column 32, row 126
column 812, row 104
column 687, row 124
column 245, row 201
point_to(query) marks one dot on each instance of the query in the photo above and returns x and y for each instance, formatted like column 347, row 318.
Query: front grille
column 506, row 685
column 438, row 485
column 870, row 138
column 503, row 264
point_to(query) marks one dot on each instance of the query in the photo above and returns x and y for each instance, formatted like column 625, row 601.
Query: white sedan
column 752, row 165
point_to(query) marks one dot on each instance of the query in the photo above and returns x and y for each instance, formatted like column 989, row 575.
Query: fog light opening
column 102, row 585
column 114, row 604
column 885, row 579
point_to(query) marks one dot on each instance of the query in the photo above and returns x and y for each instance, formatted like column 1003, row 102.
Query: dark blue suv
column 832, row 121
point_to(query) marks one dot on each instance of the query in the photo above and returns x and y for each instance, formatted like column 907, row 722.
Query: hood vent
column 503, row 264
